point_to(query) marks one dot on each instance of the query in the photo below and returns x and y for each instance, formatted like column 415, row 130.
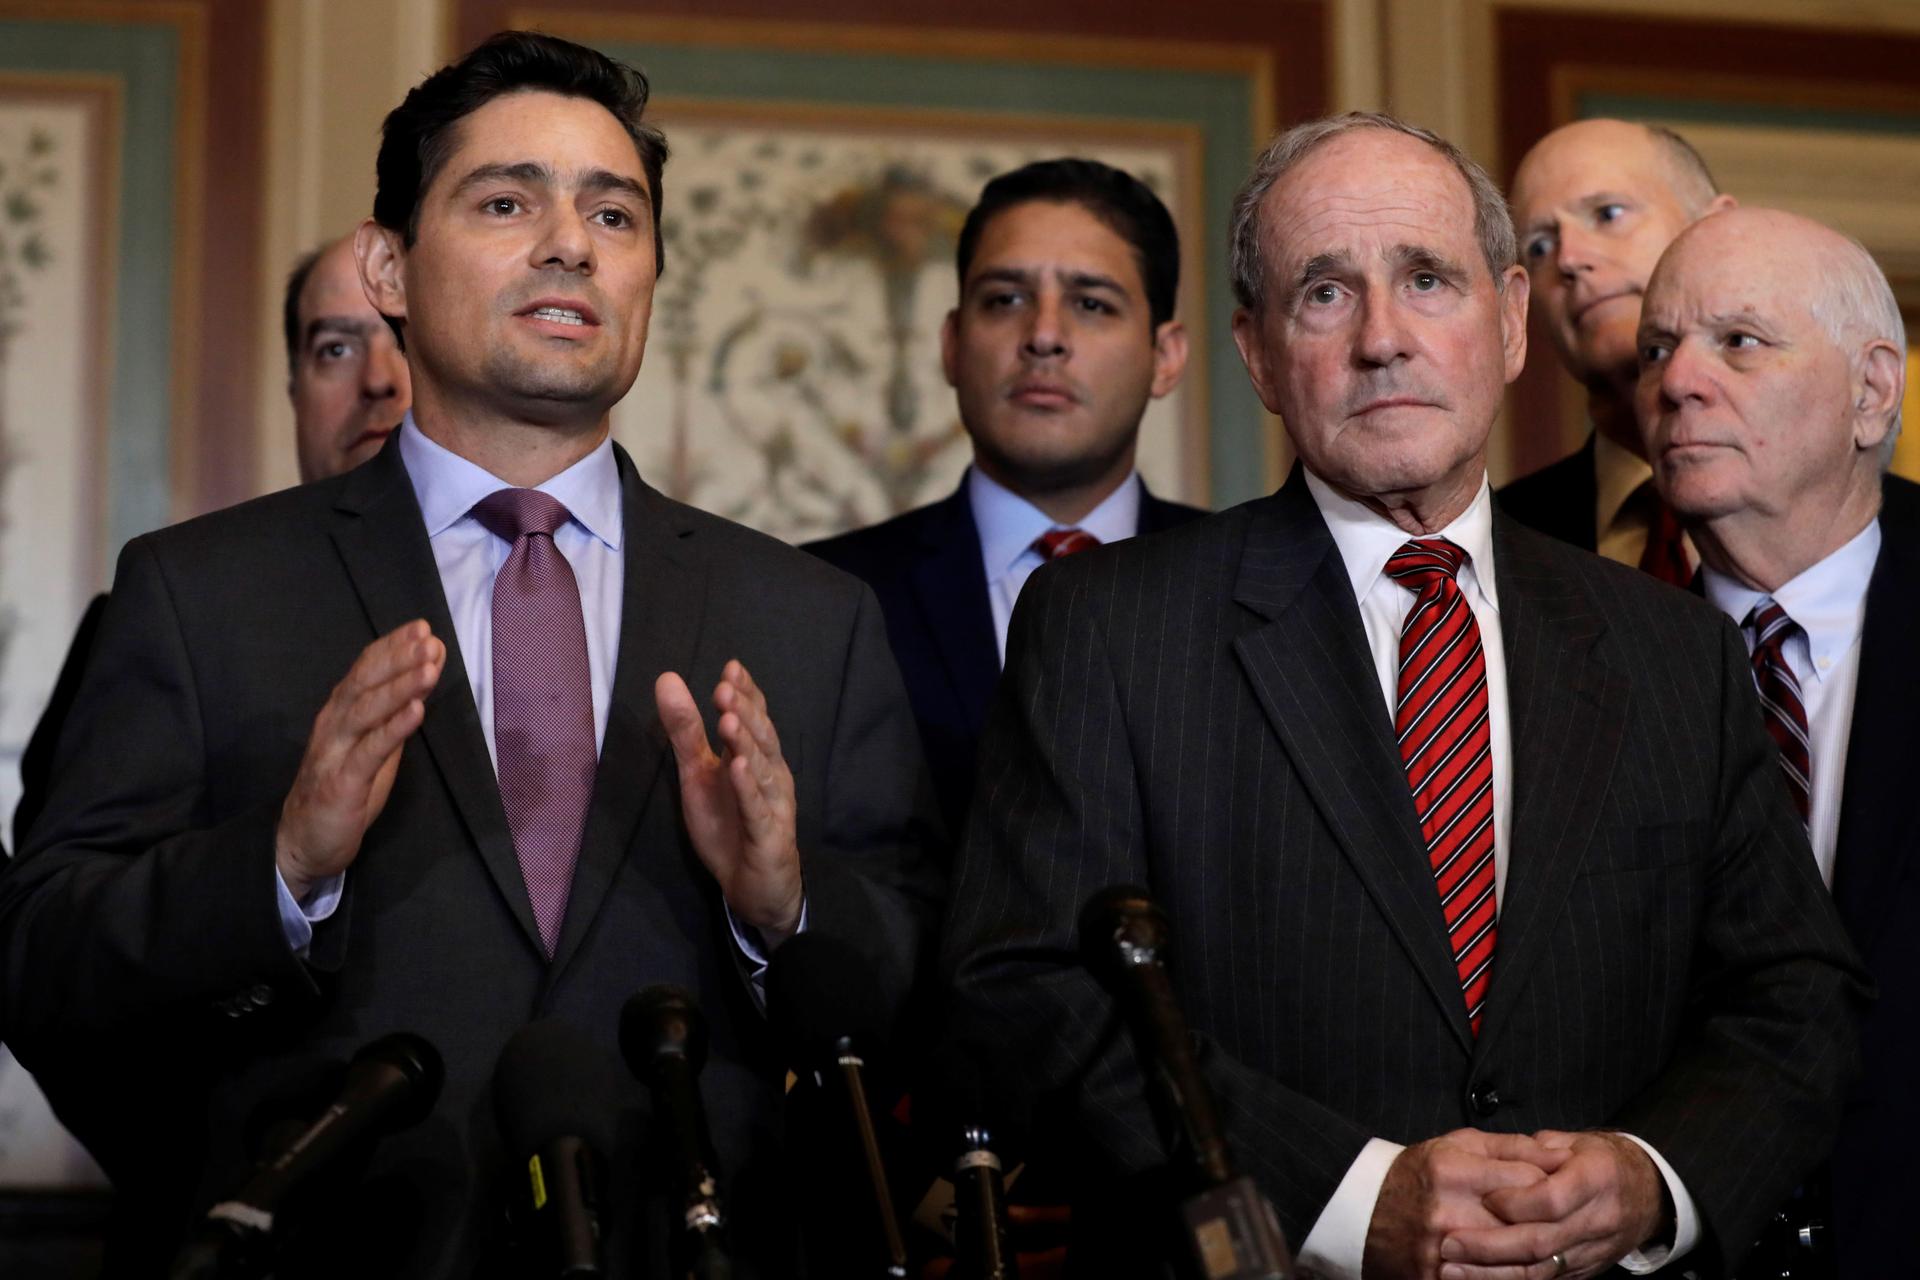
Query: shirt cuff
column 753, row 950
column 297, row 918
column 1686, row 1220
column 1337, row 1242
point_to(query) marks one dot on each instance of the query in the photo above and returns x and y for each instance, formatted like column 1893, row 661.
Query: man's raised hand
column 352, row 754
column 739, row 807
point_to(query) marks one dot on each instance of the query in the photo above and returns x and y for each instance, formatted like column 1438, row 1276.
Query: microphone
column 976, row 1127
column 663, row 1037
column 391, row 1084
column 823, row 1007
column 1124, row 940
column 555, row 1095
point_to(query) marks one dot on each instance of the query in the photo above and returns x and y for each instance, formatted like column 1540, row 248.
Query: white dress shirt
column 1829, row 602
column 1008, row 525
column 1366, row 540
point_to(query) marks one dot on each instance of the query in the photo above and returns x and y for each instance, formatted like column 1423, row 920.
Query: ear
column 1513, row 319
column 382, row 258
column 1170, row 350
column 1879, row 384
column 1248, row 336
column 1720, row 204
column 950, row 346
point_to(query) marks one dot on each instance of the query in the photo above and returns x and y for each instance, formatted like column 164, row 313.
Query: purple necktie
column 542, row 699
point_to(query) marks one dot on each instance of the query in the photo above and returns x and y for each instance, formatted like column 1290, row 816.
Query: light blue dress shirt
column 1008, row 525
column 447, row 487
column 1829, row 602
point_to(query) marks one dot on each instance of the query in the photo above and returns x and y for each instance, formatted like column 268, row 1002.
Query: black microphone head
column 1122, row 925
column 662, row 1021
column 821, row 994
column 553, row 1082
column 421, row 1071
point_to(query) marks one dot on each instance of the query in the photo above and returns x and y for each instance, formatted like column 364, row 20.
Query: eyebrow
column 338, row 324
column 1028, row 275
column 536, row 173
column 1584, row 204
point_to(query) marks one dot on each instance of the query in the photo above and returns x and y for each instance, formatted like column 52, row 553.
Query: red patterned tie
column 543, row 737
column 1447, row 746
column 1665, row 556
column 1055, row 543
column 1780, row 705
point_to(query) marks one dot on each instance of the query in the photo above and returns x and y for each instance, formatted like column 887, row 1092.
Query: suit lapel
column 383, row 543
column 1310, row 669
column 1876, row 838
column 950, row 586
column 663, row 599
column 1567, row 714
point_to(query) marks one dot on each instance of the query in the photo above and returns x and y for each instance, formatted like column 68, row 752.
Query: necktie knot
column 1769, row 625
column 1424, row 562
column 1055, row 543
column 514, row 513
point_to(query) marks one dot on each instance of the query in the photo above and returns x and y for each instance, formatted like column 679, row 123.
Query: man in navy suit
column 1063, row 333
column 1770, row 400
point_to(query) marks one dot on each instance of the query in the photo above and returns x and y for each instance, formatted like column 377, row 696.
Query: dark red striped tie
column 1780, row 705
column 1447, row 745
column 1055, row 543
column 543, row 735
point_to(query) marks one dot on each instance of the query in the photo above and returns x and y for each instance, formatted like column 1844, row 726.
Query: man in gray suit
column 417, row 748
column 1505, row 950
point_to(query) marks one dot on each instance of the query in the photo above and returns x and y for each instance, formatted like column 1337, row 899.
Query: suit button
column 1485, row 1099
column 260, row 996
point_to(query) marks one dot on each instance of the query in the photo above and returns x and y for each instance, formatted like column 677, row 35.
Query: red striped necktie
column 1447, row 745
column 1780, row 705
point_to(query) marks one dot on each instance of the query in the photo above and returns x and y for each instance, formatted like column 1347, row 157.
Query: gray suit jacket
column 1198, row 713
column 143, row 915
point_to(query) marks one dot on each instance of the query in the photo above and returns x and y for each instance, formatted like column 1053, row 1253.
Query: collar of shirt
column 1618, row 474
column 447, row 485
column 1008, row 523
column 1367, row 540
column 1828, row 599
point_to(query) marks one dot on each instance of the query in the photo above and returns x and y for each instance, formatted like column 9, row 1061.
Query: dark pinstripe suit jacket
column 1198, row 713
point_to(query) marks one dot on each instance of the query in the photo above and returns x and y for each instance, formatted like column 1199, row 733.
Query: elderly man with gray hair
column 1772, row 367
column 1505, row 958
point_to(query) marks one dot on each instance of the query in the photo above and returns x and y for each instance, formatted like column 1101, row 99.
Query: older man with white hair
column 1773, row 361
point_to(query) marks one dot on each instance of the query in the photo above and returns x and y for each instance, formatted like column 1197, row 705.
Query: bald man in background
column 349, row 386
column 1596, row 203
column 1769, row 401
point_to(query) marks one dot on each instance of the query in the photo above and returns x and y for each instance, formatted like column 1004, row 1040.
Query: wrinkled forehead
column 1367, row 196
column 1564, row 171
column 1713, row 272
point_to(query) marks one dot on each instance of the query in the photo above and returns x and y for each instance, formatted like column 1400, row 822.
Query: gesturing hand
column 352, row 755
column 1605, row 1200
column 739, row 806
column 1437, row 1187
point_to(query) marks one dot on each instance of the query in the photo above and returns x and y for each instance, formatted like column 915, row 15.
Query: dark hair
column 418, row 135
column 290, row 306
column 1117, row 198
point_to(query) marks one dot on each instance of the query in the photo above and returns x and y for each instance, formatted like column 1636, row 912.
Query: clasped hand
column 1487, row 1206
